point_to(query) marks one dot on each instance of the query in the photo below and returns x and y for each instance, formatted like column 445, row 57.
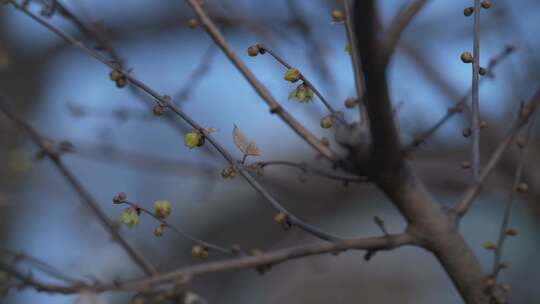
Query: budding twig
column 511, row 197
column 85, row 196
column 462, row 208
column 164, row 102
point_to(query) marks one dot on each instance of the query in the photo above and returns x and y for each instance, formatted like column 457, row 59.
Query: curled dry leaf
column 247, row 147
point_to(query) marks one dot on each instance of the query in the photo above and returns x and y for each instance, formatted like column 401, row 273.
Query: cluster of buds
column 302, row 93
column 119, row 198
column 326, row 122
column 257, row 167
column 130, row 217
column 162, row 209
column 228, row 172
column 255, row 50
column 119, row 78
column 468, row 11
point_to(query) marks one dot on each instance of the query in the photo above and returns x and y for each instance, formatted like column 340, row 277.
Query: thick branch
column 382, row 243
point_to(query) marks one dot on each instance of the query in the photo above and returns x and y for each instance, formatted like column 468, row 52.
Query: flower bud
column 350, row 103
column 337, row 16
column 253, row 50
column 280, row 218
column 302, row 93
column 162, row 209
column 130, row 217
column 228, row 172
column 466, row 57
column 115, row 75
column 199, row 251
column 158, row 110
column 159, row 231
column 292, row 75
column 193, row 139
column 122, row 82
column 326, row 122
column 119, row 198
column 193, row 23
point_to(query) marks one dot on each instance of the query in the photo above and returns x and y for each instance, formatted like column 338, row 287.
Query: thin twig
column 85, row 196
column 510, row 202
column 165, row 223
column 40, row 265
column 475, row 105
column 305, row 80
column 471, row 193
column 460, row 105
column 308, row 170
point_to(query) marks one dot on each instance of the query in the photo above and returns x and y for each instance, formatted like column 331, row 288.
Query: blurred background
column 120, row 146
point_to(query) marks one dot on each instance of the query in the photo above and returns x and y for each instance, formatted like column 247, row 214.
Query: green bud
column 130, row 217
column 115, row 75
column 194, row 139
column 338, row 16
column 292, row 75
column 199, row 251
column 466, row 57
column 162, row 208
column 253, row 50
column 326, row 122
column 302, row 93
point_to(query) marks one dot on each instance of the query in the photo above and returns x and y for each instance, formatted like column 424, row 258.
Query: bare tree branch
column 524, row 115
column 85, row 196
column 388, row 242
column 275, row 107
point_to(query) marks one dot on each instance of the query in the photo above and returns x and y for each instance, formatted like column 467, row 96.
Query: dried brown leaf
column 244, row 145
